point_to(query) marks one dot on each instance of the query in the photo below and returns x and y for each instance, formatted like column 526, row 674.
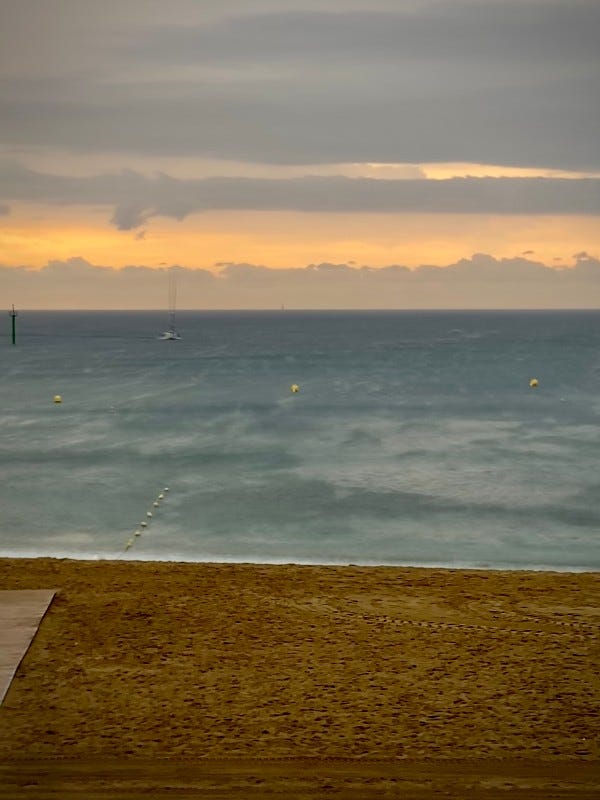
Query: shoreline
column 154, row 558
column 173, row 661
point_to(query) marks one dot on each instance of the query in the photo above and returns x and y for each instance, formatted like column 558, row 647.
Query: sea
column 414, row 438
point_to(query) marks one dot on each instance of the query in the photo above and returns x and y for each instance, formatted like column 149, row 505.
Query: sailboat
column 171, row 334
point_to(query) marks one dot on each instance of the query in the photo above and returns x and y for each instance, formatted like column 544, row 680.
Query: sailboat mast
column 172, row 298
column 171, row 334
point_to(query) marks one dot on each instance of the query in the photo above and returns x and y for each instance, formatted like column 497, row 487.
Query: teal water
column 415, row 438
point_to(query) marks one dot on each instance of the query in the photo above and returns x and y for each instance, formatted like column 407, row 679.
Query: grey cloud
column 129, row 216
column 502, row 81
column 327, row 119
column 4, row 210
column 463, row 30
column 477, row 282
column 332, row 269
column 76, row 283
column 138, row 198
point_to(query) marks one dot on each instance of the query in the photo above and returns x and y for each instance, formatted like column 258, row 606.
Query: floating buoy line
column 144, row 523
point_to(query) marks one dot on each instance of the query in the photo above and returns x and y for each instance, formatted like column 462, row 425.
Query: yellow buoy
column 533, row 383
column 294, row 388
column 57, row 398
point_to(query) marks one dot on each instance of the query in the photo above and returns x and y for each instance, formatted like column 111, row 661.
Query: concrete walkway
column 21, row 611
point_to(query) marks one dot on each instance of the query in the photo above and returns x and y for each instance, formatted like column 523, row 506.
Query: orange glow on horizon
column 33, row 236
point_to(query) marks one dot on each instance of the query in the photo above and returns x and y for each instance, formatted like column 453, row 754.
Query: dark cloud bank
column 511, row 82
column 136, row 197
column 479, row 282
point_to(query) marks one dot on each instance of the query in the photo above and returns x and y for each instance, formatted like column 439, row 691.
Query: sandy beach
column 235, row 680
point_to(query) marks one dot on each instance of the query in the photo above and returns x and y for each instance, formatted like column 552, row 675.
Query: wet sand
column 250, row 681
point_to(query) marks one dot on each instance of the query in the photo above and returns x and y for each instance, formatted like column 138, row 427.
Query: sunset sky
column 317, row 153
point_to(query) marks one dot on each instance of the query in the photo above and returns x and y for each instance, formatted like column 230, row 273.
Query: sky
column 306, row 153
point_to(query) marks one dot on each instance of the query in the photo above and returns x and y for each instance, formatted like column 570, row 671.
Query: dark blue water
column 415, row 438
